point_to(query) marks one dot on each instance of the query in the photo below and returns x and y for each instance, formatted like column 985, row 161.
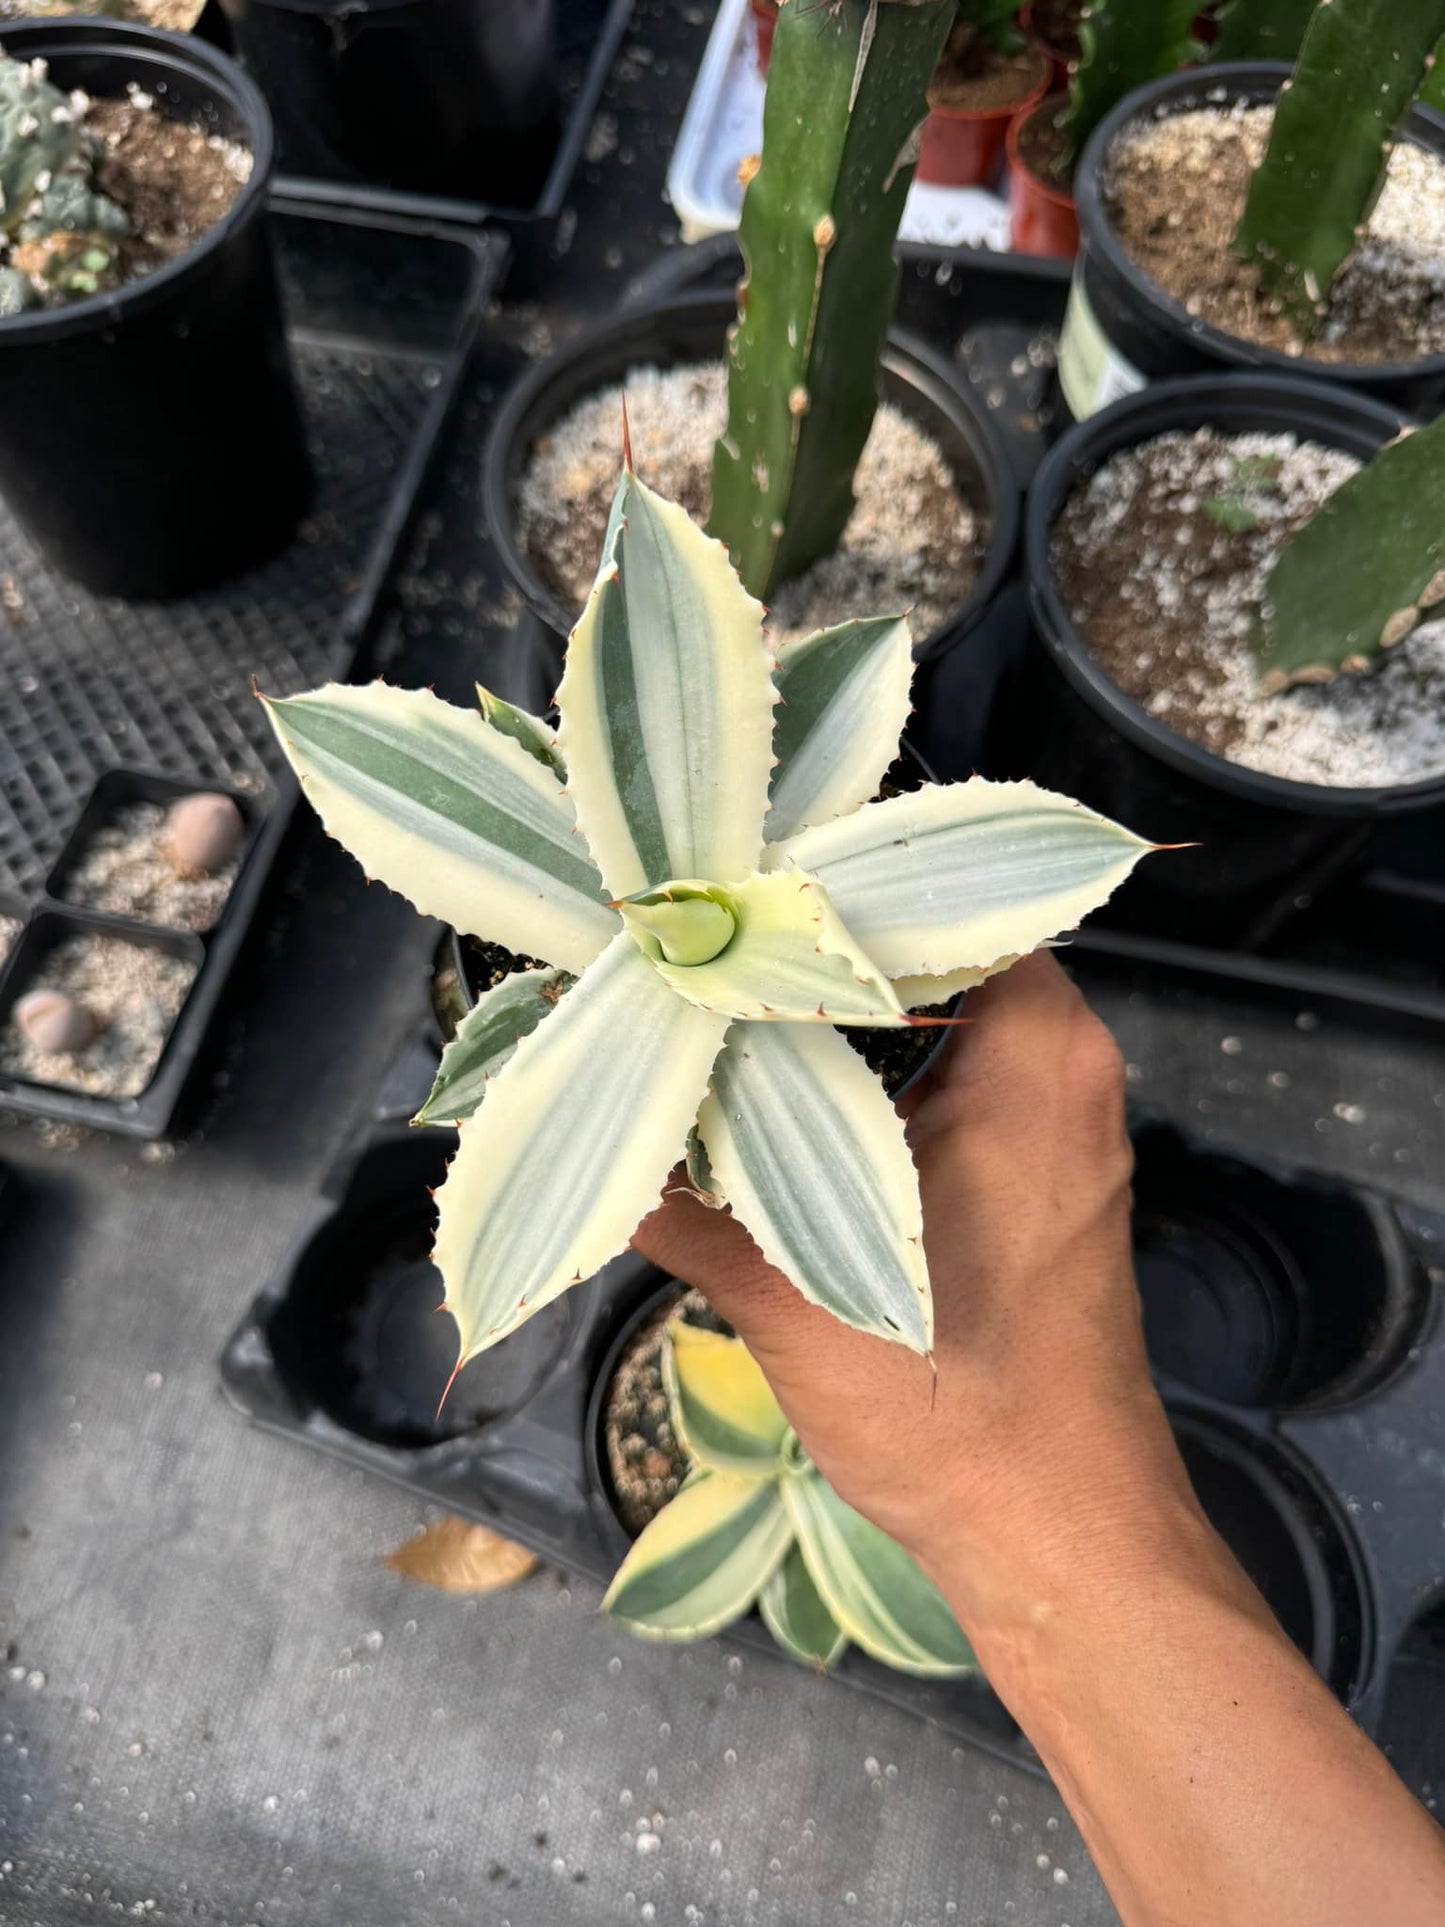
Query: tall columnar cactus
column 1360, row 68
column 1363, row 571
column 847, row 93
column 756, row 1524
column 1124, row 45
column 706, row 900
column 1261, row 29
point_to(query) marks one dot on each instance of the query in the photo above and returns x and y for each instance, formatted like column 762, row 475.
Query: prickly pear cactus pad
column 756, row 1524
column 1361, row 66
column 1359, row 576
column 706, row 898
column 847, row 94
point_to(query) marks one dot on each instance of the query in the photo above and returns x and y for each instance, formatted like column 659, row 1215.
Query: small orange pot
column 1042, row 219
column 765, row 25
column 965, row 150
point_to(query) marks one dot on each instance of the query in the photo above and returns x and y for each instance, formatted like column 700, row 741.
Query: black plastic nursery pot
column 150, row 440
column 448, row 97
column 692, row 329
column 1124, row 331
column 1261, row 841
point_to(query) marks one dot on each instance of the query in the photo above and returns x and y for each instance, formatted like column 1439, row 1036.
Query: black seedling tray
column 1293, row 1323
column 589, row 33
column 381, row 315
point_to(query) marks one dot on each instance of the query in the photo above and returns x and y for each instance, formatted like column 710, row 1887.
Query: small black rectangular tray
column 589, row 33
column 1293, row 1323
column 381, row 315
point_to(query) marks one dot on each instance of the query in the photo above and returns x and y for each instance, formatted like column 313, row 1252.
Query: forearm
column 1216, row 1781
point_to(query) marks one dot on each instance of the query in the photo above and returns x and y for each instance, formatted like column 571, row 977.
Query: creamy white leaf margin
column 812, row 1158
column 944, row 878
column 703, row 1560
column 573, row 1145
column 915, row 993
column 667, row 704
column 843, row 698
column 451, row 813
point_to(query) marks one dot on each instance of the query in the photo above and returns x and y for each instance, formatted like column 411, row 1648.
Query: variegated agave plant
column 756, row 1524
column 709, row 900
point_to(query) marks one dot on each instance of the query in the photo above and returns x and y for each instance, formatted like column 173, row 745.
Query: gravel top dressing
column 135, row 992
column 912, row 544
column 125, row 870
column 1174, row 189
column 1162, row 557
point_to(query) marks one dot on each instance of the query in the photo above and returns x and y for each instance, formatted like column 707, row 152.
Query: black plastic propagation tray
column 381, row 313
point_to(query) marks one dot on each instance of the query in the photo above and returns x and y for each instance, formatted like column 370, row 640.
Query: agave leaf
column 667, row 704
column 843, row 698
column 573, row 1145
column 703, row 1560
column 723, row 1410
column 795, row 1615
column 790, row 959
column 1360, row 67
column 812, row 1158
column 1357, row 577
column 872, row 1588
column 916, row 993
column 486, row 1038
column 944, row 878
column 535, row 736
column 451, row 813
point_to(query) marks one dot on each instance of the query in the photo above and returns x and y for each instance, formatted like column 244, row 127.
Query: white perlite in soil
column 912, row 543
column 1380, row 728
column 134, row 991
column 10, row 928
column 125, row 870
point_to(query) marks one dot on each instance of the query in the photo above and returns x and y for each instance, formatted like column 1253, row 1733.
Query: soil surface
column 974, row 77
column 1056, row 22
column 179, row 16
column 1162, row 558
column 913, row 542
column 137, row 994
column 1043, row 144
column 174, row 180
column 125, row 870
column 644, row 1458
column 1174, row 190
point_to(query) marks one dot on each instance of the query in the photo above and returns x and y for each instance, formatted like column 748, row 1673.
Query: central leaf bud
column 682, row 923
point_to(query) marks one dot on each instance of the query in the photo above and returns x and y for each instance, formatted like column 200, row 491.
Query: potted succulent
column 1205, row 558
column 150, row 440
column 1123, row 44
column 763, row 414
column 1229, row 220
column 990, row 73
column 755, row 1525
column 693, row 894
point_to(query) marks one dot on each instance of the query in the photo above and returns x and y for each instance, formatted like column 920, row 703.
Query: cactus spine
column 847, row 93
column 1361, row 66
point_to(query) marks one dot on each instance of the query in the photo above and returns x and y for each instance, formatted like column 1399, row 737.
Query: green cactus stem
column 1359, row 70
column 1358, row 577
column 1126, row 44
column 847, row 93
column 63, row 232
column 1261, row 29
column 1432, row 94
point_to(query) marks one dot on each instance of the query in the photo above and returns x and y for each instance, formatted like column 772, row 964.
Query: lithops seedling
column 54, row 1022
column 202, row 834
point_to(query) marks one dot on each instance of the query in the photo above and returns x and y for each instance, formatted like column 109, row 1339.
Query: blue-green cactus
column 62, row 232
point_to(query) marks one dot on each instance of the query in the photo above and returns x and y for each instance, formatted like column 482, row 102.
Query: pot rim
column 1318, row 409
column 1055, row 196
column 166, row 52
column 1218, row 86
column 1010, row 110
column 906, row 356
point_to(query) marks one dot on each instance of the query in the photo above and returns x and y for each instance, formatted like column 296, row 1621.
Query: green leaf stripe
column 794, row 1613
column 703, row 1560
column 486, row 1038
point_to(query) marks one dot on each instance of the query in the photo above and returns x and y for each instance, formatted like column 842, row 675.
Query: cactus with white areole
column 60, row 232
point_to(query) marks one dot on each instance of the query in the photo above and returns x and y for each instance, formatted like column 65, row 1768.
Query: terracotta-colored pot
column 965, row 149
column 1061, row 62
column 765, row 25
column 1042, row 219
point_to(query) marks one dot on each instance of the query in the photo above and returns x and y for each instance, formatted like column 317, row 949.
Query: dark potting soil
column 975, row 77
column 1174, row 190
column 174, row 180
column 644, row 1458
column 1056, row 22
column 1043, row 146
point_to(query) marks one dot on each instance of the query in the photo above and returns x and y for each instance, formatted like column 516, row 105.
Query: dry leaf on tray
column 458, row 1556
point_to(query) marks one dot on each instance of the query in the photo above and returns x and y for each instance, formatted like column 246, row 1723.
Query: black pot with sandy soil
column 937, row 514
column 1149, row 533
column 1159, row 291
column 150, row 440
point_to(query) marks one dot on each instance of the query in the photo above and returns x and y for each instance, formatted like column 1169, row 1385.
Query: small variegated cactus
column 62, row 231
column 707, row 891
column 1360, row 69
column 757, row 1525
column 1362, row 572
